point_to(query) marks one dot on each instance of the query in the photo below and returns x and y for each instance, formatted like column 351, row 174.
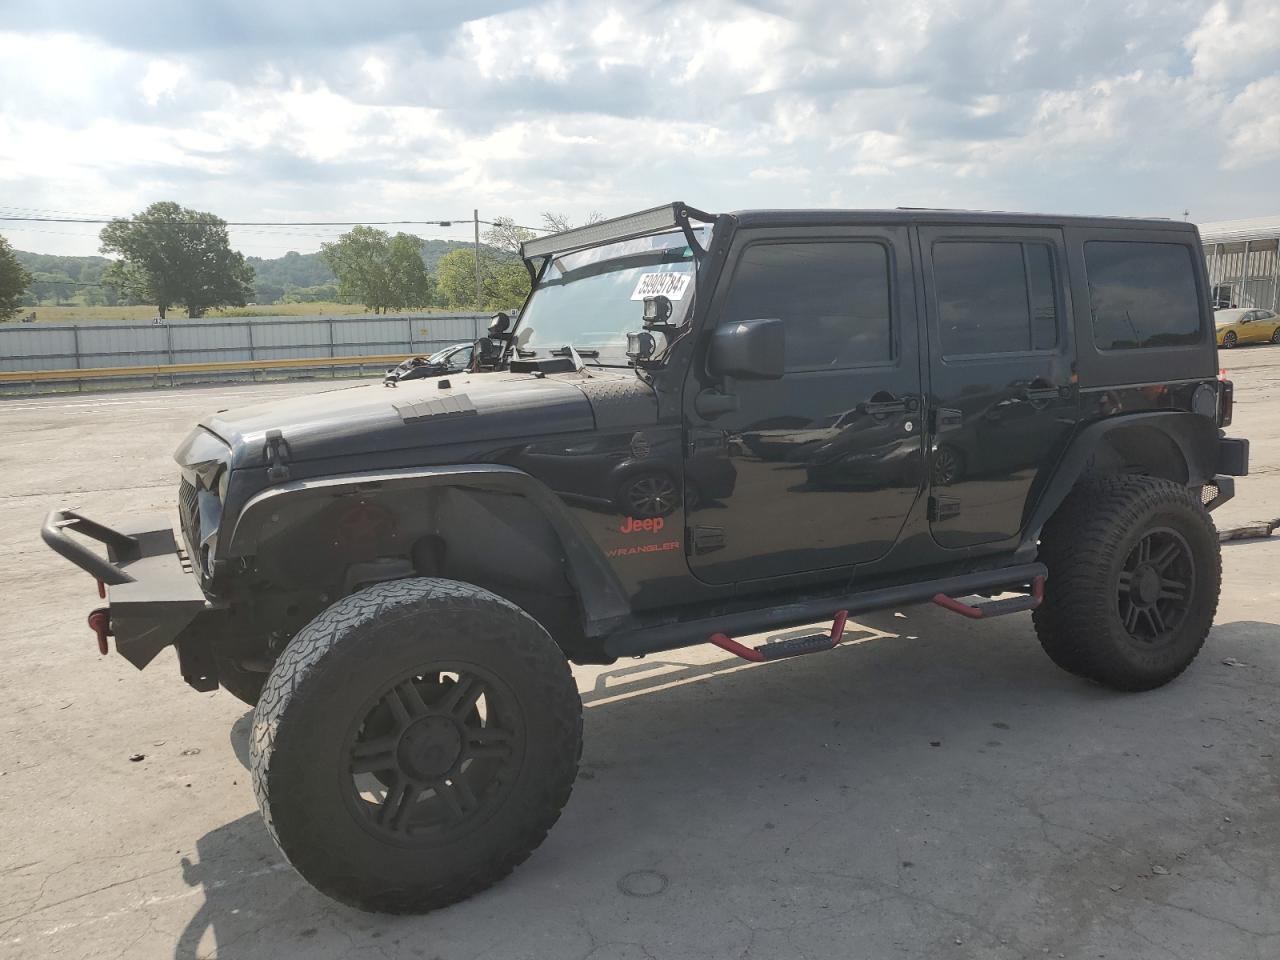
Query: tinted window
column 1141, row 294
column 995, row 297
column 833, row 297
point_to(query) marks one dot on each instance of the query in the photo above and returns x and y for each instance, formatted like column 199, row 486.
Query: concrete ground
column 938, row 789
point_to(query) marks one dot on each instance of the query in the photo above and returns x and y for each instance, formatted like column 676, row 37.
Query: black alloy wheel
column 1155, row 585
column 1229, row 339
column 434, row 753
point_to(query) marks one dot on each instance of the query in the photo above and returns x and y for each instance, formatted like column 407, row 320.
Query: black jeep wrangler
column 697, row 427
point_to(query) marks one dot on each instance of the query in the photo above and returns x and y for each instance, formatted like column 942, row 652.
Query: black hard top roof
column 669, row 216
column 797, row 218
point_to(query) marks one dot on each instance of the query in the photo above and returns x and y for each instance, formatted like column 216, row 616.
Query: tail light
column 1226, row 400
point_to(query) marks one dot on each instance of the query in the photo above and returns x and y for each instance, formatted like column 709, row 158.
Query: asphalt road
column 937, row 789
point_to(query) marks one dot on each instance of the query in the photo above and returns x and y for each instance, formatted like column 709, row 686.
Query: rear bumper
column 153, row 599
column 1233, row 461
column 1233, row 456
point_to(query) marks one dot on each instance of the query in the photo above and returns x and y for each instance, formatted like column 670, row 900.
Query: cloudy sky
column 288, row 110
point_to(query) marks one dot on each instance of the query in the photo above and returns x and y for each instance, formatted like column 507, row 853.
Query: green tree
column 53, row 286
column 14, row 280
column 171, row 255
column 456, row 279
column 381, row 271
column 504, row 283
column 558, row 222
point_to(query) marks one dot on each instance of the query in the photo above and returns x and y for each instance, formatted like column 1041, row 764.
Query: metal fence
column 86, row 346
column 1245, row 273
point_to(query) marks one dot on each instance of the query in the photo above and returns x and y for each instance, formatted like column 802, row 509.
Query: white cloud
column 1236, row 41
column 575, row 105
column 161, row 80
column 1254, row 121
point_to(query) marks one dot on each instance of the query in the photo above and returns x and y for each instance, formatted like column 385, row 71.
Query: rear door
column 1002, row 394
column 828, row 459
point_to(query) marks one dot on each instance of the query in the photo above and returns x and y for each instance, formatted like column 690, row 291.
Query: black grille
column 189, row 515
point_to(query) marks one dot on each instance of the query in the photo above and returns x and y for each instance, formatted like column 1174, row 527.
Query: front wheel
column 414, row 743
column 1275, row 335
column 1134, row 575
column 1229, row 339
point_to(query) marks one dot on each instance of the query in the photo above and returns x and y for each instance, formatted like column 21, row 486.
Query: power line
column 490, row 223
column 448, row 222
column 442, row 222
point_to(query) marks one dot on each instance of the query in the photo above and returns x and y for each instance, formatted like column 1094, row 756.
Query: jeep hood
column 376, row 419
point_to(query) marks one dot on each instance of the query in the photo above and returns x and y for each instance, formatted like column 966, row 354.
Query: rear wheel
column 1275, row 335
column 414, row 743
column 1134, row 575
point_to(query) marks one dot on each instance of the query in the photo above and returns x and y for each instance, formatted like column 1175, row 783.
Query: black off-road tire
column 321, row 686
column 1086, row 546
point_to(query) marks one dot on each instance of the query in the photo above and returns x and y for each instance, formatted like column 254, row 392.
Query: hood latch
column 277, row 454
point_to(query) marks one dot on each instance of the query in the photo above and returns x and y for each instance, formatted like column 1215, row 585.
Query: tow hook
column 100, row 624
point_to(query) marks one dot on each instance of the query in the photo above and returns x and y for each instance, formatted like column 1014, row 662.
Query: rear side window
column 1141, row 294
column 995, row 297
column 832, row 296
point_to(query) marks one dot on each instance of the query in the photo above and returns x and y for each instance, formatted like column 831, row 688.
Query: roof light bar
column 666, row 217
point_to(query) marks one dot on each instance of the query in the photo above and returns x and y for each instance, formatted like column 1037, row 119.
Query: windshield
column 592, row 299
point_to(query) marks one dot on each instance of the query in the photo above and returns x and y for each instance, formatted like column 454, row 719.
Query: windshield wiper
column 570, row 351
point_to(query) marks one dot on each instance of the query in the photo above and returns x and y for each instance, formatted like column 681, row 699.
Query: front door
column 828, row 459
column 1003, row 398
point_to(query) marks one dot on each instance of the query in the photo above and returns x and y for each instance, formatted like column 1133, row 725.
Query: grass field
column 73, row 313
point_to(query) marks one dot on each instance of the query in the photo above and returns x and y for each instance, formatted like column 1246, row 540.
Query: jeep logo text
column 651, row 525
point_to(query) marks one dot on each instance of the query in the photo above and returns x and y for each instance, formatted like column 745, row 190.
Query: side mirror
column 748, row 350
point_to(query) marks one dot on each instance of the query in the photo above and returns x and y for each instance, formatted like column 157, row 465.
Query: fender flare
column 1194, row 437
column 602, row 598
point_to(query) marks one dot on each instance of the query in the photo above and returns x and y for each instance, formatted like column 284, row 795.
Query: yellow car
column 1246, row 326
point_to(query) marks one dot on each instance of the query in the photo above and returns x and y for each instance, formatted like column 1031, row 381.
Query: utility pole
column 475, row 218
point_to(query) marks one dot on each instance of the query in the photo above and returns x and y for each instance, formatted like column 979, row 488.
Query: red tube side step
column 100, row 624
column 994, row 608
column 790, row 647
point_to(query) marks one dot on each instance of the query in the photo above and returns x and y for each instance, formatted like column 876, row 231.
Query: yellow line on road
column 220, row 366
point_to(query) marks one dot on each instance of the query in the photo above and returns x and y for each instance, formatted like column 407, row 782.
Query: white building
column 1244, row 268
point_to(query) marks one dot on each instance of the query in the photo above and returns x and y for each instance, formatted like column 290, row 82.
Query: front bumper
column 153, row 599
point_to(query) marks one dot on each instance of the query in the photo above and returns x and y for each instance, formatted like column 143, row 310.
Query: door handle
column 882, row 408
column 1040, row 393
